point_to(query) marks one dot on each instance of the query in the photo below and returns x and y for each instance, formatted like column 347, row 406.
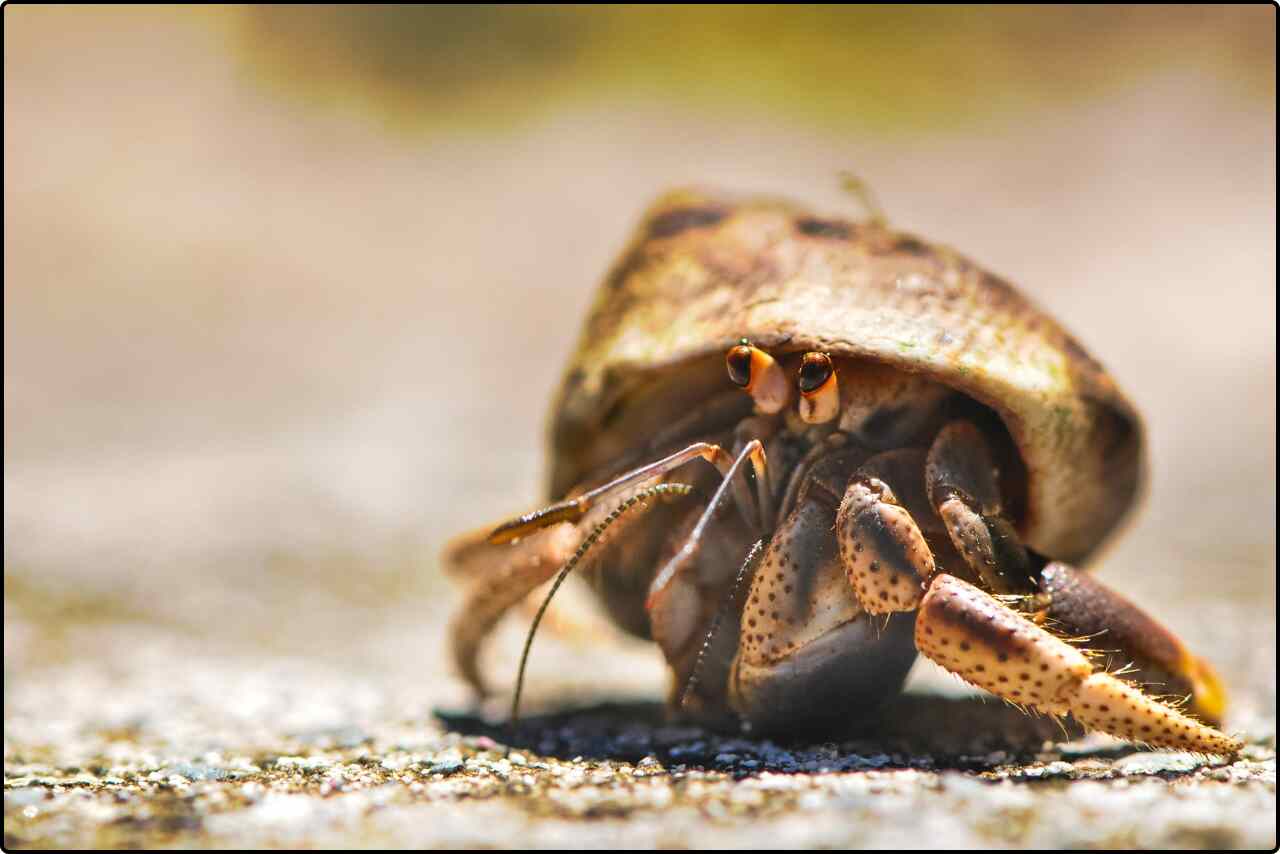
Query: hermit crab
column 796, row 450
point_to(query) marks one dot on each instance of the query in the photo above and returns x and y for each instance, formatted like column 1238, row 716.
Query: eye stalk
column 819, row 389
column 756, row 371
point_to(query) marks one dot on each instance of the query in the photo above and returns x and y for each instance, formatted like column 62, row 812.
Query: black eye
column 815, row 369
column 738, row 361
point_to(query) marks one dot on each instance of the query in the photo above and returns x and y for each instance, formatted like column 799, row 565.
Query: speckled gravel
column 459, row 790
column 188, row 743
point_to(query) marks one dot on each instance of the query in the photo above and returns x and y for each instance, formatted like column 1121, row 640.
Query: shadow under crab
column 910, row 731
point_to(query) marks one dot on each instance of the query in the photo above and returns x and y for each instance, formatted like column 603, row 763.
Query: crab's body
column 948, row 441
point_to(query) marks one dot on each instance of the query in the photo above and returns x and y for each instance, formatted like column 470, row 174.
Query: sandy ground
column 259, row 366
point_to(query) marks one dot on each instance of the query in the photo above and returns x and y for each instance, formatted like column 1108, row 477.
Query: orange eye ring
column 757, row 372
column 819, row 388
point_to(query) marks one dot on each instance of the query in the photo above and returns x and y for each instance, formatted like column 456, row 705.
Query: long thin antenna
column 587, row 543
column 694, row 675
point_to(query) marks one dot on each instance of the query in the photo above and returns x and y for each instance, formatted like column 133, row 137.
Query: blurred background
column 288, row 289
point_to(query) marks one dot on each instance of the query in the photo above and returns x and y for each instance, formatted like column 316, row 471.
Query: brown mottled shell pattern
column 705, row 270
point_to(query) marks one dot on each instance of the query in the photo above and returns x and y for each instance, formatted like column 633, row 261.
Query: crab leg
column 961, row 480
column 969, row 632
column 504, row 576
column 1123, row 635
column 573, row 509
column 885, row 556
column 662, row 587
column 509, row 562
column 983, row 641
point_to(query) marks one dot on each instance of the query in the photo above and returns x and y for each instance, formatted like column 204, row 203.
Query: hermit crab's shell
column 706, row 270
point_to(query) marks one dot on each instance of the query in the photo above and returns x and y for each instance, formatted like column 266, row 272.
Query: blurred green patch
column 883, row 67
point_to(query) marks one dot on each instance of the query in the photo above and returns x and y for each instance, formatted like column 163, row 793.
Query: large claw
column 983, row 641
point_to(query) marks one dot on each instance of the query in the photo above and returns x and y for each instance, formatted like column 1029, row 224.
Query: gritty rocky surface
column 413, row 785
column 264, row 354
column 132, row 735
